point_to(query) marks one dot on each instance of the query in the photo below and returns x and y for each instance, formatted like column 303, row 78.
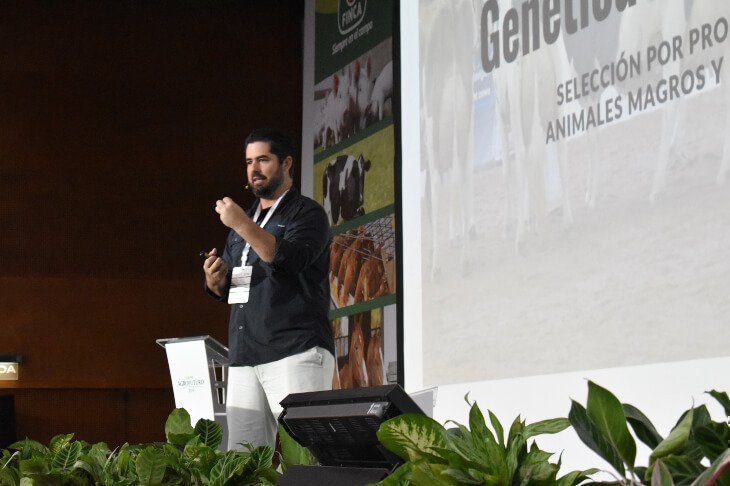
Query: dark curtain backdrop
column 121, row 123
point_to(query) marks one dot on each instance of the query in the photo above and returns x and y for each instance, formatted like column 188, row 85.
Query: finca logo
column 349, row 14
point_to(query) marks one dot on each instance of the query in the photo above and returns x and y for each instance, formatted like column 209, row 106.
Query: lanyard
column 244, row 255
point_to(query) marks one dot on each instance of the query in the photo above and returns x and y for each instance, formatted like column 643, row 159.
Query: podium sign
column 198, row 369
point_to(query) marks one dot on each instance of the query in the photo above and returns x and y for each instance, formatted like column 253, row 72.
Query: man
column 273, row 273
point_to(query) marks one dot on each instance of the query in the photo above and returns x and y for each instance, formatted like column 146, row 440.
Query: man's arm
column 306, row 237
column 233, row 216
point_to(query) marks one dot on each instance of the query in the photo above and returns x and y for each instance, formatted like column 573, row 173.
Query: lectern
column 199, row 369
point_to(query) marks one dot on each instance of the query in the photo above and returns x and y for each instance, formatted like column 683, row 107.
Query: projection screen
column 567, row 179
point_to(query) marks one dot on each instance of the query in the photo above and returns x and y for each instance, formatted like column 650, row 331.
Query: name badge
column 240, row 285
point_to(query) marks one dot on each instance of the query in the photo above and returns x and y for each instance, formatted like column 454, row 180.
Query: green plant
column 696, row 451
column 292, row 453
column 189, row 457
column 436, row 455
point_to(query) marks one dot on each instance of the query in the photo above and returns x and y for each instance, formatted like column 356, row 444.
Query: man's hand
column 232, row 215
column 216, row 271
column 262, row 242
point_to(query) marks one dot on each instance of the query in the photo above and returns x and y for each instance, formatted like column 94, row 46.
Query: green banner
column 347, row 29
column 363, row 306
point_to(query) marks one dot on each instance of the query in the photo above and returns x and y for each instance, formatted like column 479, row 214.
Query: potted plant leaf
column 695, row 452
column 436, row 455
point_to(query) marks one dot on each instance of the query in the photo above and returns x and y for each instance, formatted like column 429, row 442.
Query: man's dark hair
column 279, row 142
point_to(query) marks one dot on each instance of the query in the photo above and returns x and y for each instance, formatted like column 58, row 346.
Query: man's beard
column 271, row 187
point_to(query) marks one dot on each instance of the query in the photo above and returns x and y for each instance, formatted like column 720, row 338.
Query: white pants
column 254, row 393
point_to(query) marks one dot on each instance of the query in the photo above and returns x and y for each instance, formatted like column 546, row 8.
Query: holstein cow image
column 343, row 188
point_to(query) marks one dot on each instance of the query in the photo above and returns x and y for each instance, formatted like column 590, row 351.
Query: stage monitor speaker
column 339, row 426
column 7, row 421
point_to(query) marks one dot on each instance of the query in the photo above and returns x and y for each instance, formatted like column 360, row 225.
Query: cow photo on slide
column 357, row 180
column 354, row 97
column 359, row 349
column 600, row 200
column 362, row 263
column 343, row 188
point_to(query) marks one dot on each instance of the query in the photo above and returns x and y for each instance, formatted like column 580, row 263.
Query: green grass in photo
column 379, row 180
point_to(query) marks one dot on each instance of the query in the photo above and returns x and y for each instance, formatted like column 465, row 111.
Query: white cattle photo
column 575, row 210
column 353, row 97
column 448, row 36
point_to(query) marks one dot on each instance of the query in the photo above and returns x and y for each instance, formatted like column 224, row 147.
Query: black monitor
column 339, row 426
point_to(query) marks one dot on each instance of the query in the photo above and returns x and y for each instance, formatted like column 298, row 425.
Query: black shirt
column 287, row 309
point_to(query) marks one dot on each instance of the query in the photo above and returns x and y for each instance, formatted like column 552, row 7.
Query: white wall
column 411, row 189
